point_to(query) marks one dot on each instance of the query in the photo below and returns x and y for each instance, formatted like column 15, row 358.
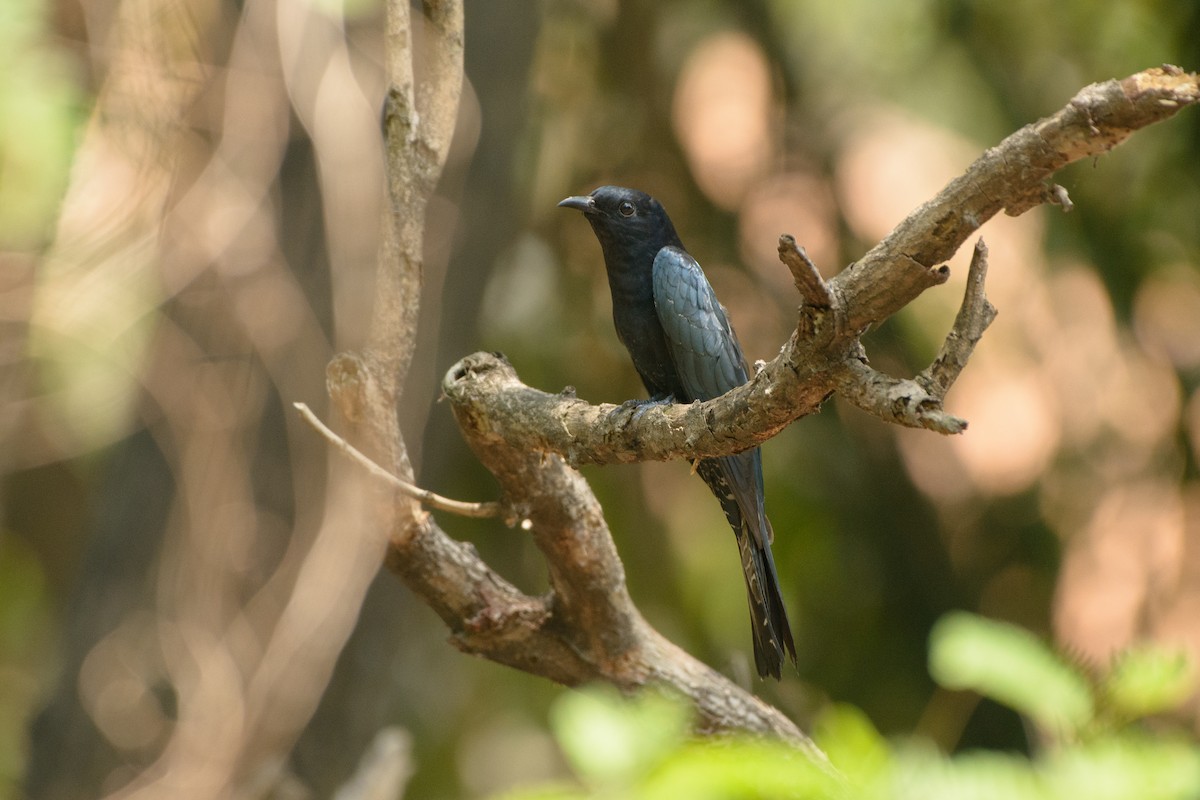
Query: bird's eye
column 626, row 208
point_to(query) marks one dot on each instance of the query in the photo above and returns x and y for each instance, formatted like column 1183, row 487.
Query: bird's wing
column 705, row 350
column 709, row 362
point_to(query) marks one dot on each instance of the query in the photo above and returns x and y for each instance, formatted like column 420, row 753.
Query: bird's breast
column 639, row 330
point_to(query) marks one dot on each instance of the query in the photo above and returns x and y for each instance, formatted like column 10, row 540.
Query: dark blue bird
column 682, row 345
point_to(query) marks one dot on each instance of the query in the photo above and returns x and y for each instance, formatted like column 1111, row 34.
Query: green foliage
column 1012, row 667
column 40, row 104
column 609, row 741
column 1147, row 680
column 1095, row 744
column 24, row 616
column 642, row 748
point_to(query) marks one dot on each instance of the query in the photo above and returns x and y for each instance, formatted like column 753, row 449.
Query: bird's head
column 626, row 220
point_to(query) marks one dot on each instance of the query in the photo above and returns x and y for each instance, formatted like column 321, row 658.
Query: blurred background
column 189, row 204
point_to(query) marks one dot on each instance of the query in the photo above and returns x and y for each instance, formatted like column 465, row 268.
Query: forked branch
column 917, row 403
column 823, row 354
column 587, row 628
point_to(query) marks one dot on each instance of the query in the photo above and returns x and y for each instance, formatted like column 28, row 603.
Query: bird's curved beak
column 579, row 203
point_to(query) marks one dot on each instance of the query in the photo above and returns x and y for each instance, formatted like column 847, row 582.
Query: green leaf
column 610, row 739
column 1147, row 679
column 922, row 773
column 1013, row 667
column 741, row 769
column 1117, row 768
column 853, row 744
column 547, row 792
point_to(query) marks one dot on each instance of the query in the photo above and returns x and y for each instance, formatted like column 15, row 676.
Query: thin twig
column 808, row 279
column 436, row 501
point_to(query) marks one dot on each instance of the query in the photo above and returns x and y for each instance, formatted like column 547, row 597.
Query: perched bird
column 683, row 347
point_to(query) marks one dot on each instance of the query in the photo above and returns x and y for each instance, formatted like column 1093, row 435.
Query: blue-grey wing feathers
column 702, row 343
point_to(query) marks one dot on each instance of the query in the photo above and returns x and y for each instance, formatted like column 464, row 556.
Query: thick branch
column 586, row 628
column 485, row 386
column 823, row 355
column 600, row 635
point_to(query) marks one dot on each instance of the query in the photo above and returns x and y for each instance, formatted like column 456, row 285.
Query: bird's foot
column 639, row 407
column 653, row 402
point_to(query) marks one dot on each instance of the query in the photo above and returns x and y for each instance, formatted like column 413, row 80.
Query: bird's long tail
column 768, row 616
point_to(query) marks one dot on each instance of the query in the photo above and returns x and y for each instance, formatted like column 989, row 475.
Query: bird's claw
column 640, row 407
column 646, row 405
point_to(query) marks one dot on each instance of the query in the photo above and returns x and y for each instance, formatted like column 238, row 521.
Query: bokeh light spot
column 722, row 113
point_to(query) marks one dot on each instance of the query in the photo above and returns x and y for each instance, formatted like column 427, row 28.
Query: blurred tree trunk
column 68, row 755
column 133, row 140
column 201, row 530
column 482, row 216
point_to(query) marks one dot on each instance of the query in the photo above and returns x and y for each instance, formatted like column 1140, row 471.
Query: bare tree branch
column 591, row 630
column 823, row 354
column 1011, row 177
column 426, row 497
column 418, row 125
column 917, row 403
column 587, row 628
column 974, row 317
column 896, row 400
column 805, row 274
